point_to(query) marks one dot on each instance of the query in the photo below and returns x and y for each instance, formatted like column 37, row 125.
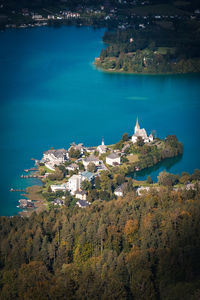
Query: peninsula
column 145, row 37
column 103, row 235
column 80, row 175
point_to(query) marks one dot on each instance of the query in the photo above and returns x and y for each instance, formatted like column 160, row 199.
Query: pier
column 31, row 176
column 31, row 169
column 17, row 190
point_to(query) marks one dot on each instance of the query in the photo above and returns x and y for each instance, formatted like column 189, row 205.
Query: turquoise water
column 51, row 95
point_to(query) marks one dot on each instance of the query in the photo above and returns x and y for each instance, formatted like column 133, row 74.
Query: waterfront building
column 37, row 17
column 77, row 147
column 142, row 133
column 113, row 159
column 102, row 148
column 54, row 157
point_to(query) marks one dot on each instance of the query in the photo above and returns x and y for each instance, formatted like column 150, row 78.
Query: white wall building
column 118, row 191
column 72, row 167
column 141, row 132
column 142, row 189
column 91, row 159
column 81, row 195
column 113, row 159
column 54, row 157
column 74, row 183
column 60, row 187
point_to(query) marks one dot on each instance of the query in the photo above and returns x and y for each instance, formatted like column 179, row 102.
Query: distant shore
column 101, row 68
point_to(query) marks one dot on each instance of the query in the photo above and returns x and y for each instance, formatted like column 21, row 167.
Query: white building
column 80, row 195
column 54, row 157
column 37, row 17
column 72, row 167
column 59, row 187
column 82, row 203
column 91, row 159
column 141, row 132
column 102, row 148
column 113, row 159
column 77, row 147
column 90, row 149
column 142, row 189
column 74, row 183
column 118, row 191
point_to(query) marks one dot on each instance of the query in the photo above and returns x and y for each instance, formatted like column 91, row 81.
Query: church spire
column 102, row 143
column 137, row 124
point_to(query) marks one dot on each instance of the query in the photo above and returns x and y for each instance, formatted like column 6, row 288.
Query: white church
column 141, row 132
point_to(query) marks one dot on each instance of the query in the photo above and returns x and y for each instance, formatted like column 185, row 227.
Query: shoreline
column 111, row 71
column 33, row 193
column 128, row 167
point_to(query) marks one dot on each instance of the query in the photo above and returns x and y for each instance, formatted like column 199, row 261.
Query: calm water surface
column 51, row 95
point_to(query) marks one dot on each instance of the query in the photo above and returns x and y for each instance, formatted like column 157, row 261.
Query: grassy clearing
column 44, row 168
column 35, row 193
column 133, row 158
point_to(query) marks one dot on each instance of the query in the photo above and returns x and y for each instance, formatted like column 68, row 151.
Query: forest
column 156, row 47
column 133, row 247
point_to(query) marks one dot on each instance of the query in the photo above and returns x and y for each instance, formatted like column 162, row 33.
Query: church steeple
column 137, row 123
column 102, row 143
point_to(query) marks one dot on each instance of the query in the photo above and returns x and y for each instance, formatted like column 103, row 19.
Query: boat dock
column 17, row 190
column 24, row 203
column 31, row 169
column 31, row 176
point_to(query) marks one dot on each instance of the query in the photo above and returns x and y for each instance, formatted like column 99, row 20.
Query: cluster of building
column 53, row 158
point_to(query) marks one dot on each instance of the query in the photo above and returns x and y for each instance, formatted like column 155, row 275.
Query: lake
column 51, row 95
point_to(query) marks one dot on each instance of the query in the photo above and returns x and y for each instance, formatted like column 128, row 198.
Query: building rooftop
column 113, row 156
column 80, row 192
column 88, row 175
column 91, row 158
column 119, row 189
column 73, row 165
column 82, row 203
column 57, row 153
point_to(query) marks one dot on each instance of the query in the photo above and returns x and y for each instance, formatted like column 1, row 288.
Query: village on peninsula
column 81, row 175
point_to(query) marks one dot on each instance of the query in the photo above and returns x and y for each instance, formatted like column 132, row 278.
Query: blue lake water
column 52, row 95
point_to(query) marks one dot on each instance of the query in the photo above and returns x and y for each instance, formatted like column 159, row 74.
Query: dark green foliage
column 91, row 168
column 167, row 179
column 140, row 141
column 125, row 137
column 74, row 153
column 86, row 185
column 143, row 247
column 196, row 175
column 149, row 180
column 151, row 155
